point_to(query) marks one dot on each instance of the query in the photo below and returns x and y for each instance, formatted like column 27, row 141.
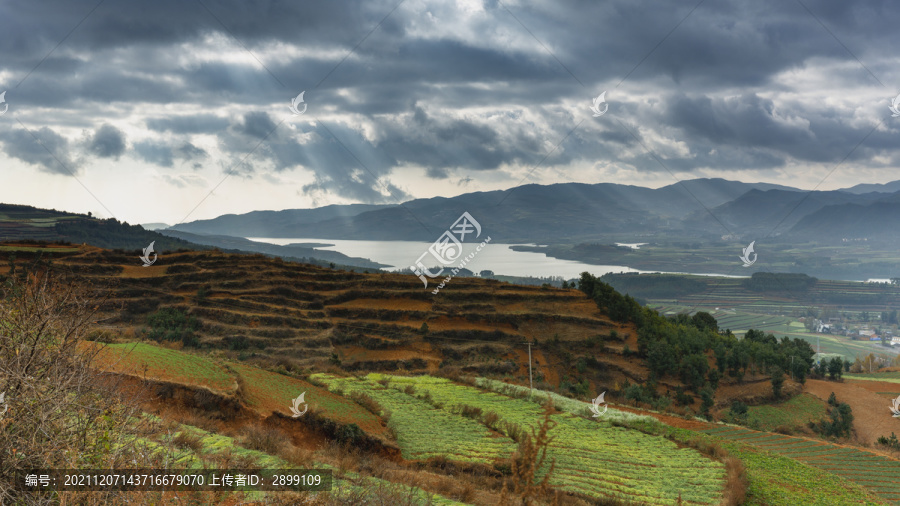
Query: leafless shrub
column 737, row 482
column 527, row 487
column 269, row 440
column 62, row 412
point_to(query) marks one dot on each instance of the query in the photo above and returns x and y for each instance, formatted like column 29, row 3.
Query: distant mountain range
column 576, row 212
column 683, row 215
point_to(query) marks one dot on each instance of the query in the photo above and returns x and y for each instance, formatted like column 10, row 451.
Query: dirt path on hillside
column 871, row 416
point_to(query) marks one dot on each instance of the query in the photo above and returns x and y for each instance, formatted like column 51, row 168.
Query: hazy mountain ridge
column 528, row 213
column 876, row 221
column 772, row 211
column 272, row 223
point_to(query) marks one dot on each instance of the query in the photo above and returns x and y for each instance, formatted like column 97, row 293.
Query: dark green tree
column 839, row 422
column 739, row 411
column 777, row 382
column 693, row 369
column 835, row 367
column 800, row 369
column 705, row 321
column 171, row 324
column 707, row 401
column 821, row 368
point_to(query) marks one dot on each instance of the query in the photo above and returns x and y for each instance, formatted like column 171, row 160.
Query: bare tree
column 61, row 412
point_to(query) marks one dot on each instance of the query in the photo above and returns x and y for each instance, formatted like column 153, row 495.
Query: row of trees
column 680, row 346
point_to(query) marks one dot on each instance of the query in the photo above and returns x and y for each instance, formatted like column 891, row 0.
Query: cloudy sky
column 179, row 109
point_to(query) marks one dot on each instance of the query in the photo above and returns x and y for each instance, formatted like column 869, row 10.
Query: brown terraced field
column 300, row 316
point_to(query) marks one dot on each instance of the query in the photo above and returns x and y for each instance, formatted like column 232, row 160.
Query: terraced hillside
column 436, row 420
column 434, row 416
column 301, row 317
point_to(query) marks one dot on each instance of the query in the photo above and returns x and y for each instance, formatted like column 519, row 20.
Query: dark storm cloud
column 256, row 124
column 755, row 125
column 342, row 161
column 43, row 148
column 137, row 22
column 413, row 139
column 440, row 143
column 446, row 90
column 745, row 120
column 107, row 142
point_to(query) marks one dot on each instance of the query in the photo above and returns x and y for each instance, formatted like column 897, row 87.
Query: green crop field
column 416, row 423
column 877, row 473
column 592, row 457
column 889, row 377
column 142, row 359
column 793, row 413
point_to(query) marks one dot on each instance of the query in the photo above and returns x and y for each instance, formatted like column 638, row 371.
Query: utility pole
column 792, row 368
column 530, row 383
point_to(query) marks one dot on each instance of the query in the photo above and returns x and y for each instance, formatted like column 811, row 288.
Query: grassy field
column 592, row 457
column 793, row 413
column 154, row 362
column 888, row 377
column 417, row 424
column 774, row 480
column 876, row 473
column 261, row 390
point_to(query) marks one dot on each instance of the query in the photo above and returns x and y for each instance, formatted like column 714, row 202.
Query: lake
column 496, row 257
